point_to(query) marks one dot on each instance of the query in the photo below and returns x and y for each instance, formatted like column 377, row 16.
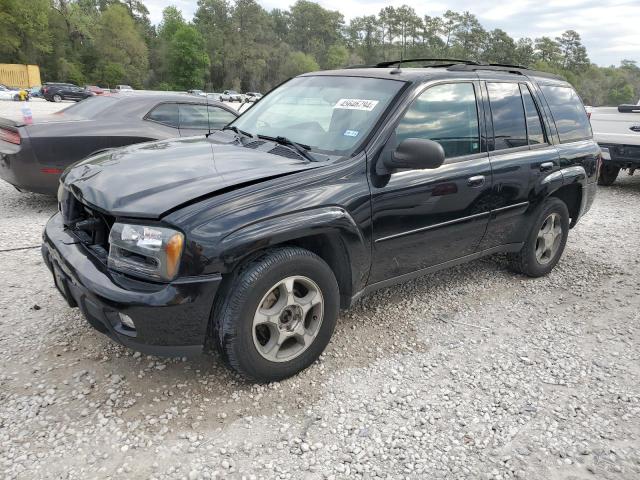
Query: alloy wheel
column 288, row 319
column 549, row 239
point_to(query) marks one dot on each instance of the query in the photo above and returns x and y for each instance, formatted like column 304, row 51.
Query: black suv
column 56, row 92
column 335, row 184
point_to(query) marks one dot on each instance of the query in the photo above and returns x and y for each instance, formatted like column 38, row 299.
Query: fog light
column 127, row 321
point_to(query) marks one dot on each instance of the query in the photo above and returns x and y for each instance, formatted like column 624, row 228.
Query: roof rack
column 412, row 60
column 501, row 67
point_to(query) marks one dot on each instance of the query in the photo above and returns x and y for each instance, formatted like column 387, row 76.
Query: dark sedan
column 32, row 157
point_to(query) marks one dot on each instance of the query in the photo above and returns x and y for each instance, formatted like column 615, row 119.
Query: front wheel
column 608, row 175
column 276, row 315
column 546, row 240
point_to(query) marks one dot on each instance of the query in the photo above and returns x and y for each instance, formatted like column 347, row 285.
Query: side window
column 219, row 117
column 568, row 113
column 534, row 125
column 165, row 113
column 193, row 116
column 446, row 114
column 509, row 128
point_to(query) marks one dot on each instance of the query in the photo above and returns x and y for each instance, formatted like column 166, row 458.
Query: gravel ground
column 470, row 373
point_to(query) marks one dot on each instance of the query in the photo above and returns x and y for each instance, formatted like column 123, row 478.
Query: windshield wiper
column 300, row 148
column 235, row 129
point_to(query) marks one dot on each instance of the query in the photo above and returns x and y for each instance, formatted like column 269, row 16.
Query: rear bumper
column 19, row 167
column 622, row 156
column 170, row 319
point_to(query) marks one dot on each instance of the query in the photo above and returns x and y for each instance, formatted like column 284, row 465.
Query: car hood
column 149, row 179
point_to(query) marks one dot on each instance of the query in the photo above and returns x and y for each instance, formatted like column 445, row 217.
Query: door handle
column 546, row 166
column 476, row 181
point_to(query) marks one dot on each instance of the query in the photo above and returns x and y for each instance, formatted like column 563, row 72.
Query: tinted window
column 446, row 114
column 195, row 116
column 568, row 112
column 220, row 117
column 166, row 113
column 534, row 125
column 509, row 128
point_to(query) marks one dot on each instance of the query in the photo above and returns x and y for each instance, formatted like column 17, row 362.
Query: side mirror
column 415, row 154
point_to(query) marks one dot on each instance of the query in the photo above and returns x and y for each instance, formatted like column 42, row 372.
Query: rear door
column 576, row 146
column 423, row 218
column 521, row 156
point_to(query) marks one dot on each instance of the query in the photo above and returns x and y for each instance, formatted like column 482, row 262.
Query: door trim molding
column 433, row 227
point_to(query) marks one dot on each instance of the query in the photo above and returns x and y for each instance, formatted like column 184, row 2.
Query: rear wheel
column 608, row 175
column 546, row 240
column 57, row 98
column 276, row 315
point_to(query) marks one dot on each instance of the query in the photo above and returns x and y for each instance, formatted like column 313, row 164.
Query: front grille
column 87, row 225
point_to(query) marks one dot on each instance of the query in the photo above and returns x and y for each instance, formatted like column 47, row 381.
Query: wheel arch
column 329, row 232
column 571, row 191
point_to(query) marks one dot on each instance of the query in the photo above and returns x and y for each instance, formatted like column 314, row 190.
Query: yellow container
column 16, row 75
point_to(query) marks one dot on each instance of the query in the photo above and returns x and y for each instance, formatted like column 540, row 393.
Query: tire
column 608, row 175
column 528, row 260
column 16, row 98
column 246, row 294
column 57, row 98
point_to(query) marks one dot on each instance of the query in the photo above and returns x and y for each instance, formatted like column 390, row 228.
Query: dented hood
column 149, row 179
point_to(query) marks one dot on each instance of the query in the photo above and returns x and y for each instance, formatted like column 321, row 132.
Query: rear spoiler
column 628, row 108
column 8, row 122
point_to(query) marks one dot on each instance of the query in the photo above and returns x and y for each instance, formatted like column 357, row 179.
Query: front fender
column 331, row 221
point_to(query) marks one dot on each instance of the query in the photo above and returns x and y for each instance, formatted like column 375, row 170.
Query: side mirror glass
column 415, row 154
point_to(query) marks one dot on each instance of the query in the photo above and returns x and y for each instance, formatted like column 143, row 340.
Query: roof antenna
column 206, row 96
column 397, row 69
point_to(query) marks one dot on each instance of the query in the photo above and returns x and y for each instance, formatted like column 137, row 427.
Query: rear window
column 90, row 107
column 568, row 112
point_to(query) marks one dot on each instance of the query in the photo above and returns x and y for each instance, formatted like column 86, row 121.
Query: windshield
column 90, row 107
column 329, row 113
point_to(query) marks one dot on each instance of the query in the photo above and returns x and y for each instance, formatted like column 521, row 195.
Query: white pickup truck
column 618, row 131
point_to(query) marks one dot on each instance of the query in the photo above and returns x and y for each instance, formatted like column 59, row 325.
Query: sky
column 610, row 29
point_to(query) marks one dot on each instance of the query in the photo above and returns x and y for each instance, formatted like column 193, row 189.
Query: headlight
column 145, row 251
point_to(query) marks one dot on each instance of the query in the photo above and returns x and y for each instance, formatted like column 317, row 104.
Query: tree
column 337, row 56
column 500, row 47
column 24, row 30
column 299, row 62
column 187, row 58
column 314, row 29
column 118, row 42
column 573, row 53
column 548, row 51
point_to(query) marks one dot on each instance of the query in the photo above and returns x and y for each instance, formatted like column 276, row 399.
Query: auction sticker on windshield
column 356, row 104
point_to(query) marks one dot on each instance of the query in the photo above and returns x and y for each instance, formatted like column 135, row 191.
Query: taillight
column 10, row 136
column 45, row 90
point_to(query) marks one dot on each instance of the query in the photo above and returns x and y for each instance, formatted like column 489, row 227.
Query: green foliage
column 119, row 42
column 299, row 62
column 24, row 31
column 112, row 73
column 187, row 58
column 337, row 56
column 238, row 44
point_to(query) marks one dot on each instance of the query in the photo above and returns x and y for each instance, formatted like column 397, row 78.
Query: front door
column 423, row 218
